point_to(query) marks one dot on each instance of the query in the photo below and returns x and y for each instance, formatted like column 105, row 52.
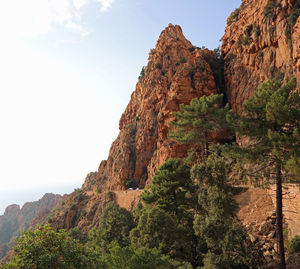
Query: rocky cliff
column 176, row 73
column 261, row 42
column 16, row 219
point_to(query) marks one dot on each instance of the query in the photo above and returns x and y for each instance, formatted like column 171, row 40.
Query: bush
column 245, row 40
column 45, row 248
column 129, row 183
column 230, row 57
column 183, row 60
column 294, row 14
column 110, row 195
column 234, row 16
column 256, row 30
column 142, row 74
column 269, row 9
column 294, row 244
column 131, row 128
column 158, row 65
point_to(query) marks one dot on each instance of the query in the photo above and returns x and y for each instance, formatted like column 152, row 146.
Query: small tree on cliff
column 271, row 119
column 195, row 123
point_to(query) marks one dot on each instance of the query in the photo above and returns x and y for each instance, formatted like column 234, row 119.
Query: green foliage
column 156, row 229
column 166, row 221
column 269, row 8
column 193, row 48
column 216, row 63
column 115, row 225
column 230, row 57
column 294, row 244
column 158, row 66
column 276, row 74
column 183, row 60
column 77, row 234
column 256, row 30
column 45, row 248
column 170, row 187
column 216, row 222
column 245, row 40
column 196, row 122
column 131, row 129
column 234, row 16
column 142, row 258
column 79, row 195
column 129, row 183
column 110, row 195
column 272, row 121
column 142, row 74
column 163, row 72
column 293, row 17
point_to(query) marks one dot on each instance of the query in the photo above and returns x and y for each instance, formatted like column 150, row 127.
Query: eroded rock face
column 257, row 47
column 296, row 51
column 176, row 73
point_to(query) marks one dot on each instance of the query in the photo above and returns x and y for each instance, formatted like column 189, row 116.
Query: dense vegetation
column 187, row 216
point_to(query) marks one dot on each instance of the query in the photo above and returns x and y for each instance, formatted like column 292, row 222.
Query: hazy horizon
column 20, row 197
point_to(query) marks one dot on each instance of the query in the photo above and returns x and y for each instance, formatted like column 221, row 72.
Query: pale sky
column 67, row 70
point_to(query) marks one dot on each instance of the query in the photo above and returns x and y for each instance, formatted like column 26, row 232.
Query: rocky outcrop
column 176, row 73
column 16, row 220
column 258, row 45
column 296, row 51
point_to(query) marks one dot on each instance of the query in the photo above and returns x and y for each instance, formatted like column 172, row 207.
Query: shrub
column 292, row 18
column 158, row 66
column 46, row 248
column 245, row 40
column 131, row 128
column 183, row 60
column 272, row 29
column 193, row 48
column 256, row 30
column 230, row 57
column 163, row 72
column 269, row 9
column 110, row 195
column 234, row 16
column 294, row 244
column 142, row 74
column 129, row 183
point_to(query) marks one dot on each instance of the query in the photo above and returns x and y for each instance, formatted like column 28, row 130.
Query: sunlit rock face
column 166, row 82
column 259, row 45
column 176, row 73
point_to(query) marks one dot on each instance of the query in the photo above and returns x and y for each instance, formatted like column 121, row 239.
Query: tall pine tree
column 271, row 119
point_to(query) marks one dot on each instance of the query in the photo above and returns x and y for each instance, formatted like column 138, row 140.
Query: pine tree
column 171, row 186
column 115, row 225
column 271, row 119
column 216, row 221
column 166, row 221
column 197, row 122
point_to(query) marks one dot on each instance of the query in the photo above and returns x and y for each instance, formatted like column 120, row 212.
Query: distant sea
column 19, row 197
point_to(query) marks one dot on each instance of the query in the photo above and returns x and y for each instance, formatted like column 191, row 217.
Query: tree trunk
column 279, row 228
